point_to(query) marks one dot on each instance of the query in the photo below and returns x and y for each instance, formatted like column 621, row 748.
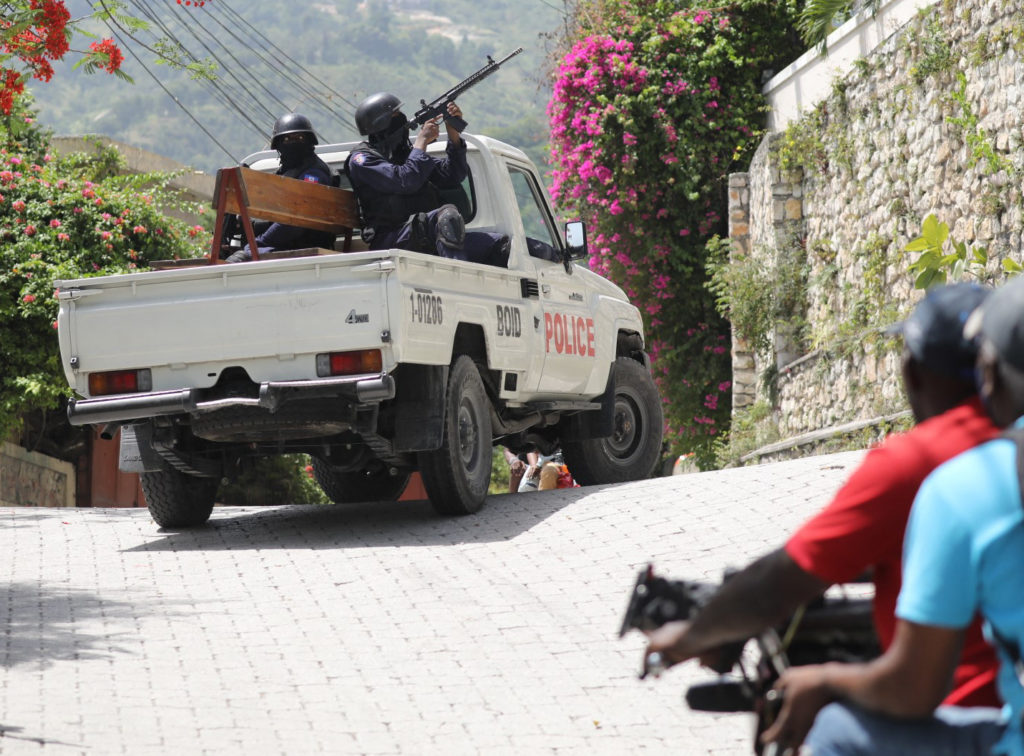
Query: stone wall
column 930, row 123
column 28, row 479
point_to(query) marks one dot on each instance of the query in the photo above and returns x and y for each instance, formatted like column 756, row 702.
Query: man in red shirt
column 862, row 528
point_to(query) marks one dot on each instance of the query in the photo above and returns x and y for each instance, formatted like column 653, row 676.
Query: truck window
column 536, row 221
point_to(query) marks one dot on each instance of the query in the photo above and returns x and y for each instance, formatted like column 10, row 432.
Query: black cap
column 1000, row 322
column 934, row 332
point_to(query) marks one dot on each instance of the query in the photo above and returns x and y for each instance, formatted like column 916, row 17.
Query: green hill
column 320, row 59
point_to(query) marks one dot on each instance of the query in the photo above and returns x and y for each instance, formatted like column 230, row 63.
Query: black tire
column 177, row 500
column 458, row 474
column 372, row 484
column 634, row 448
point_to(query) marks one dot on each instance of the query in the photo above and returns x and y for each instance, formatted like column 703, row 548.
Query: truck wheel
column 458, row 474
column 361, row 485
column 634, row 448
column 177, row 500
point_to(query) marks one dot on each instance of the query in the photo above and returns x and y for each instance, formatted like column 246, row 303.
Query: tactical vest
column 389, row 210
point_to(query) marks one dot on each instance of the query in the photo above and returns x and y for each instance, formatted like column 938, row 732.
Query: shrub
column 653, row 106
column 65, row 218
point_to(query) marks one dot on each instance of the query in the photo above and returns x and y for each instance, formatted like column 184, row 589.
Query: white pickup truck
column 375, row 363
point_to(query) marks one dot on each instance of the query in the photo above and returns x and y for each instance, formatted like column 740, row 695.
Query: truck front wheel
column 372, row 484
column 177, row 500
column 634, row 448
column 458, row 474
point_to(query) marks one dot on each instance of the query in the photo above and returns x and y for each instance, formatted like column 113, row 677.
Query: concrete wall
column 899, row 136
column 195, row 186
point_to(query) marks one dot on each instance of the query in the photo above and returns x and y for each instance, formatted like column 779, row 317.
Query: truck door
column 564, row 326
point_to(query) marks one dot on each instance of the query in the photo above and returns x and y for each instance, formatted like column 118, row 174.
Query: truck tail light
column 349, row 363
column 120, row 382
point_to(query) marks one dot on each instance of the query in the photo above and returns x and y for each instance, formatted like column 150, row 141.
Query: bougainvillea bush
column 655, row 103
column 63, row 218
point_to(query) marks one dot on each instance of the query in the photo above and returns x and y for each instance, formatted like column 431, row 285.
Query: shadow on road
column 405, row 523
column 43, row 625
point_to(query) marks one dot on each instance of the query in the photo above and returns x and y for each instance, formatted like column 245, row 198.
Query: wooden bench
column 253, row 194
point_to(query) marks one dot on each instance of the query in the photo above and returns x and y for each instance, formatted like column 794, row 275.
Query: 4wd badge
column 354, row 317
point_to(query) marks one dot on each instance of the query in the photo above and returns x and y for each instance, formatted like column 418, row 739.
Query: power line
column 214, row 84
column 230, row 69
column 223, row 4
column 275, row 67
column 120, row 41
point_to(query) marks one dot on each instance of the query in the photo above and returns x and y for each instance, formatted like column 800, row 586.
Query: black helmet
column 291, row 123
column 374, row 113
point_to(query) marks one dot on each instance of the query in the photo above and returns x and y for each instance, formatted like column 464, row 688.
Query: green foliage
column 935, row 265
column 752, row 427
column 281, row 479
column 933, row 48
column 499, row 472
column 820, row 17
column 979, row 145
column 758, row 298
column 743, row 293
column 654, row 105
column 66, row 218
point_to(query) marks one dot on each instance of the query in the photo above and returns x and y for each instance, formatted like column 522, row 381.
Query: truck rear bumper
column 272, row 395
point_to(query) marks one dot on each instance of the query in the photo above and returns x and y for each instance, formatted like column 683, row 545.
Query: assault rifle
column 439, row 106
column 828, row 629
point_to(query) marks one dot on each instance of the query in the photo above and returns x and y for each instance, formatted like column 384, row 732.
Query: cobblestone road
column 374, row 629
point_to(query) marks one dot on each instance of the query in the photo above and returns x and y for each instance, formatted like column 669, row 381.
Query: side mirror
column 575, row 240
column 575, row 243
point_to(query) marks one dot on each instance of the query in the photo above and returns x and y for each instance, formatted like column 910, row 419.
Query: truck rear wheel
column 177, row 500
column 458, row 474
column 634, row 448
column 372, row 484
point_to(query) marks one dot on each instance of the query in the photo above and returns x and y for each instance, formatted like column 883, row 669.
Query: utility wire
column 274, row 67
column 229, row 70
column 226, row 7
column 214, row 84
column 299, row 81
column 124, row 46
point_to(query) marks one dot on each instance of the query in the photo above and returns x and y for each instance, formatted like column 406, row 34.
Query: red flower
column 29, row 298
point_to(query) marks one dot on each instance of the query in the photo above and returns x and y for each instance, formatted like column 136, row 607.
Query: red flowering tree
column 655, row 103
column 36, row 33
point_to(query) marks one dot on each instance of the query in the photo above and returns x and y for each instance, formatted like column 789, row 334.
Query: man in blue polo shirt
column 963, row 553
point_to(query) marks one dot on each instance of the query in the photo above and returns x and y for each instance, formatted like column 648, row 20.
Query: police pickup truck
column 376, row 363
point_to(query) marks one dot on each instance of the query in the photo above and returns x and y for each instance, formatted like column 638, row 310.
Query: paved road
column 376, row 629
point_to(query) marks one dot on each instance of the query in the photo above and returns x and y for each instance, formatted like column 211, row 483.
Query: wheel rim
column 629, row 426
column 469, row 436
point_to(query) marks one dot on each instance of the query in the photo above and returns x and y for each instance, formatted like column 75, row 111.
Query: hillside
column 321, row 59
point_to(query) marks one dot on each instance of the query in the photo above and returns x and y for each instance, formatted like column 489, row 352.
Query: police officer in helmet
column 399, row 185
column 294, row 140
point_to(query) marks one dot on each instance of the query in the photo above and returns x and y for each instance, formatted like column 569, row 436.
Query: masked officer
column 398, row 186
column 294, row 140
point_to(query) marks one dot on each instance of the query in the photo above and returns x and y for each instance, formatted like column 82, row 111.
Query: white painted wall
column 807, row 81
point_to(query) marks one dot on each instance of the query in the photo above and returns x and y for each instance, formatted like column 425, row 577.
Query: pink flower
column 63, row 237
column 18, row 205
column 30, row 230
column 724, row 385
column 139, row 230
column 105, row 235
column 29, row 298
column 54, row 223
